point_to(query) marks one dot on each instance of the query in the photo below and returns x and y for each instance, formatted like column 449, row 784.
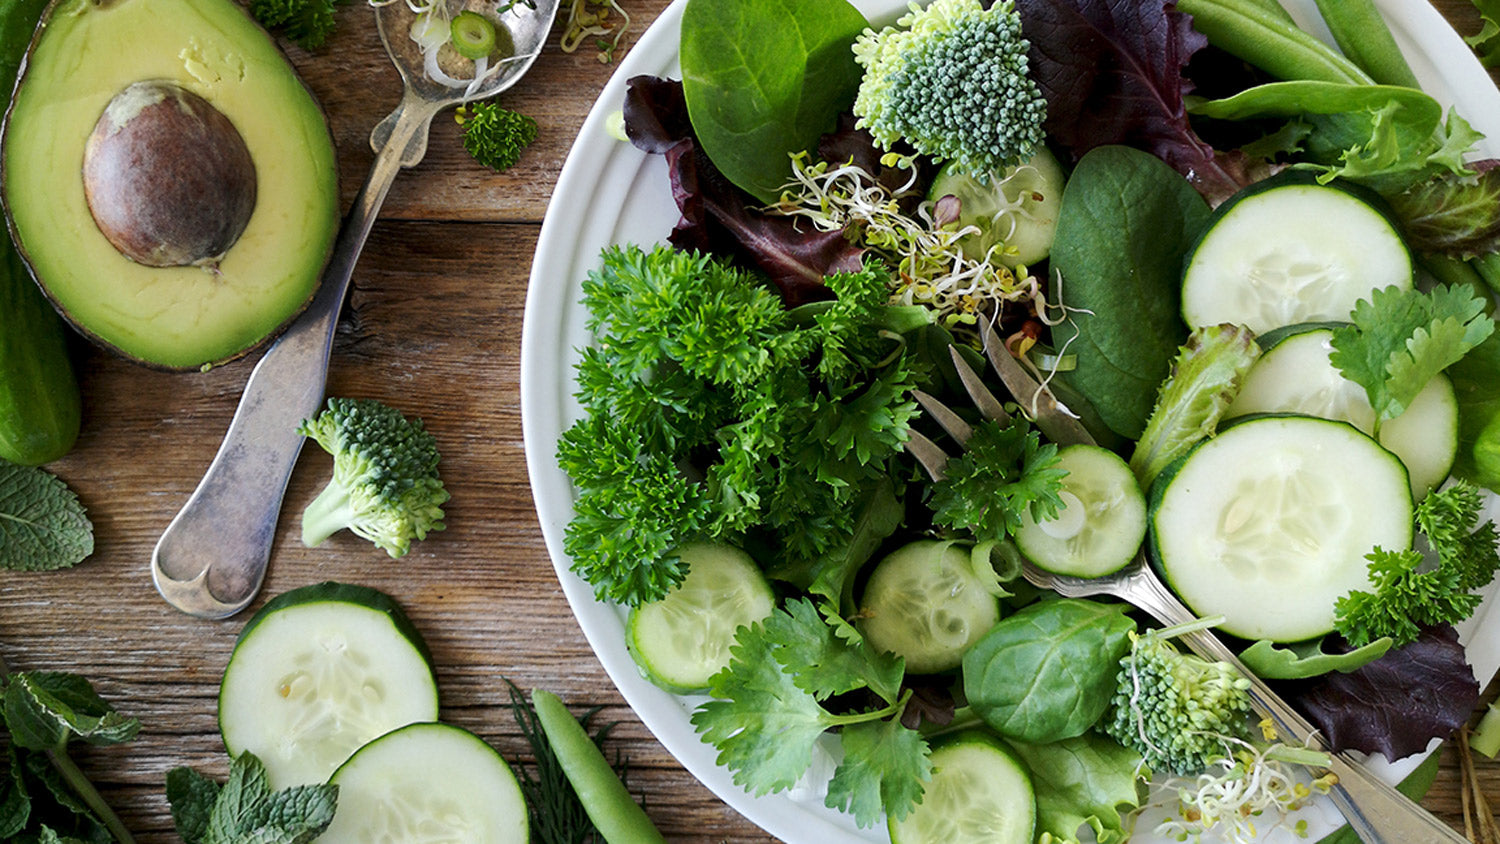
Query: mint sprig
column 245, row 809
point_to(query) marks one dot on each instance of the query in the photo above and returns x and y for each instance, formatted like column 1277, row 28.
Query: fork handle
column 1378, row 813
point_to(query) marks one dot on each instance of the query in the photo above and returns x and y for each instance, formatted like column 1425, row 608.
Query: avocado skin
column 171, row 318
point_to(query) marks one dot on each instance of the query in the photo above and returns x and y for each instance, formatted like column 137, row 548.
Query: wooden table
column 434, row 328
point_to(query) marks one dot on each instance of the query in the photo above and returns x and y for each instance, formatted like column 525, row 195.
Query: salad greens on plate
column 1258, row 270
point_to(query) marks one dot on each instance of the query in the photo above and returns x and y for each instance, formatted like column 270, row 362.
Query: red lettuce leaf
column 1397, row 704
column 1112, row 73
column 1454, row 215
column 718, row 217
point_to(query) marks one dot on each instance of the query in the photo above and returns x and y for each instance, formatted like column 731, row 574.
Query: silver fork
column 1378, row 813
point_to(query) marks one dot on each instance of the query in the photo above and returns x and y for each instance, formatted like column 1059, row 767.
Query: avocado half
column 84, row 55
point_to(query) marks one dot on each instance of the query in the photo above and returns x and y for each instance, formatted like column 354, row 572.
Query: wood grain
column 433, row 327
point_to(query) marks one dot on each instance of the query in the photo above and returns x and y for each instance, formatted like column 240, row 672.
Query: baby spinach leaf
column 1048, row 672
column 766, row 78
column 1126, row 223
column 1088, row 779
column 1301, row 660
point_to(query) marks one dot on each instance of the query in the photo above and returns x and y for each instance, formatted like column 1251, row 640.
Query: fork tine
column 983, row 399
column 929, row 454
column 949, row 421
column 1052, row 417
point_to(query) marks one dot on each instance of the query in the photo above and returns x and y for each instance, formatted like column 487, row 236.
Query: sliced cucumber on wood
column 682, row 640
column 1295, row 375
column 927, row 602
column 317, row 673
column 980, row 793
column 1269, row 522
column 427, row 782
column 1289, row 250
column 1102, row 522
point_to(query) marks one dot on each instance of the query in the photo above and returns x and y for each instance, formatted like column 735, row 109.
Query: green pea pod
column 614, row 812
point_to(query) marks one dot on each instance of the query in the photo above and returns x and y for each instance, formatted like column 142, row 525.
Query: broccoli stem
column 329, row 513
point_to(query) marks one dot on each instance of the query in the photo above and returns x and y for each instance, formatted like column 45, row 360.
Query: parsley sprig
column 1408, row 595
column 1004, row 471
column 771, row 713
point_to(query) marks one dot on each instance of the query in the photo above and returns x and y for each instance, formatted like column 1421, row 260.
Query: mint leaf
column 44, row 709
column 885, row 766
column 15, row 803
column 1400, row 339
column 825, row 664
column 42, row 525
column 192, row 797
column 246, row 811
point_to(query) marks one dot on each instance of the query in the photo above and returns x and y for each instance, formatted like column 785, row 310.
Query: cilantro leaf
column 884, row 769
column 1002, row 472
column 44, row 709
column 246, row 811
column 825, row 664
column 765, row 726
column 1407, row 596
column 1400, row 339
column 42, row 525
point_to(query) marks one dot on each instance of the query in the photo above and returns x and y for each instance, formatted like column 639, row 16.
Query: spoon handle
column 211, row 559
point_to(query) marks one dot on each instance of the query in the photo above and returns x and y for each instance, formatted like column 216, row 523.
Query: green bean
column 1488, row 267
column 1454, row 273
column 1270, row 41
column 614, row 812
column 1362, row 34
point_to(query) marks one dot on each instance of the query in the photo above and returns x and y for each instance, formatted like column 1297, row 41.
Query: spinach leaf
column 1126, row 223
column 1301, row 660
column 765, row 78
column 1048, row 672
column 1082, row 780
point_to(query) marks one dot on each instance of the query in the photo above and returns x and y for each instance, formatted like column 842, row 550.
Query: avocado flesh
column 169, row 317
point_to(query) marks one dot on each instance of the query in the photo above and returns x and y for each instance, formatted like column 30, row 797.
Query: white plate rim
column 574, row 230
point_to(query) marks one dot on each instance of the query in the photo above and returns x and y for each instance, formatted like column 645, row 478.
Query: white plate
column 610, row 192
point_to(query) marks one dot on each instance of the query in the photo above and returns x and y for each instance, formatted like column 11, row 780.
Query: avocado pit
column 167, row 177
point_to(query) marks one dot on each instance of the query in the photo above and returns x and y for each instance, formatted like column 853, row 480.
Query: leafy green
column 1300, row 660
column 764, row 79
column 245, row 809
column 1452, row 214
column 1088, row 779
column 1205, row 378
column 1486, row 42
column 766, row 717
column 1407, row 595
column 308, row 22
column 1126, row 222
column 1478, row 393
column 1400, row 339
column 42, row 525
column 713, row 414
column 1004, row 472
column 1047, row 672
column 45, row 709
column 495, row 136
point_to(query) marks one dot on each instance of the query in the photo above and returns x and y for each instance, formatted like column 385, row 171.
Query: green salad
column 1241, row 285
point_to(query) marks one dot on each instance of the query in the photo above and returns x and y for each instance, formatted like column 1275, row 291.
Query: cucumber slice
column 980, row 792
column 1268, row 523
column 1102, row 523
column 427, row 783
column 316, row 674
column 926, row 602
column 1016, row 212
column 682, row 640
column 1296, row 376
column 1289, row 250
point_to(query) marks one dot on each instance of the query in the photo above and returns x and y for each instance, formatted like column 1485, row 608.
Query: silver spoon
column 211, row 559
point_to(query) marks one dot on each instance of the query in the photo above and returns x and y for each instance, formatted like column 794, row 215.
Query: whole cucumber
column 40, row 408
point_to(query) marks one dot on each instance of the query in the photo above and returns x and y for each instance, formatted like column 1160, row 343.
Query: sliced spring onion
column 472, row 35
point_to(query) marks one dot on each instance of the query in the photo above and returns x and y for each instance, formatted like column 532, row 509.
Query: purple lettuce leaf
column 1112, row 73
column 1453, row 215
column 721, row 219
column 1397, row 704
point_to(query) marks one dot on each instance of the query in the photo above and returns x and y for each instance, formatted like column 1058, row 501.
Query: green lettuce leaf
column 1300, row 660
column 1088, row 780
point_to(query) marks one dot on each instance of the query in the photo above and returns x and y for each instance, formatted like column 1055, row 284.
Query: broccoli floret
column 1177, row 710
column 385, row 484
column 952, row 81
column 495, row 136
